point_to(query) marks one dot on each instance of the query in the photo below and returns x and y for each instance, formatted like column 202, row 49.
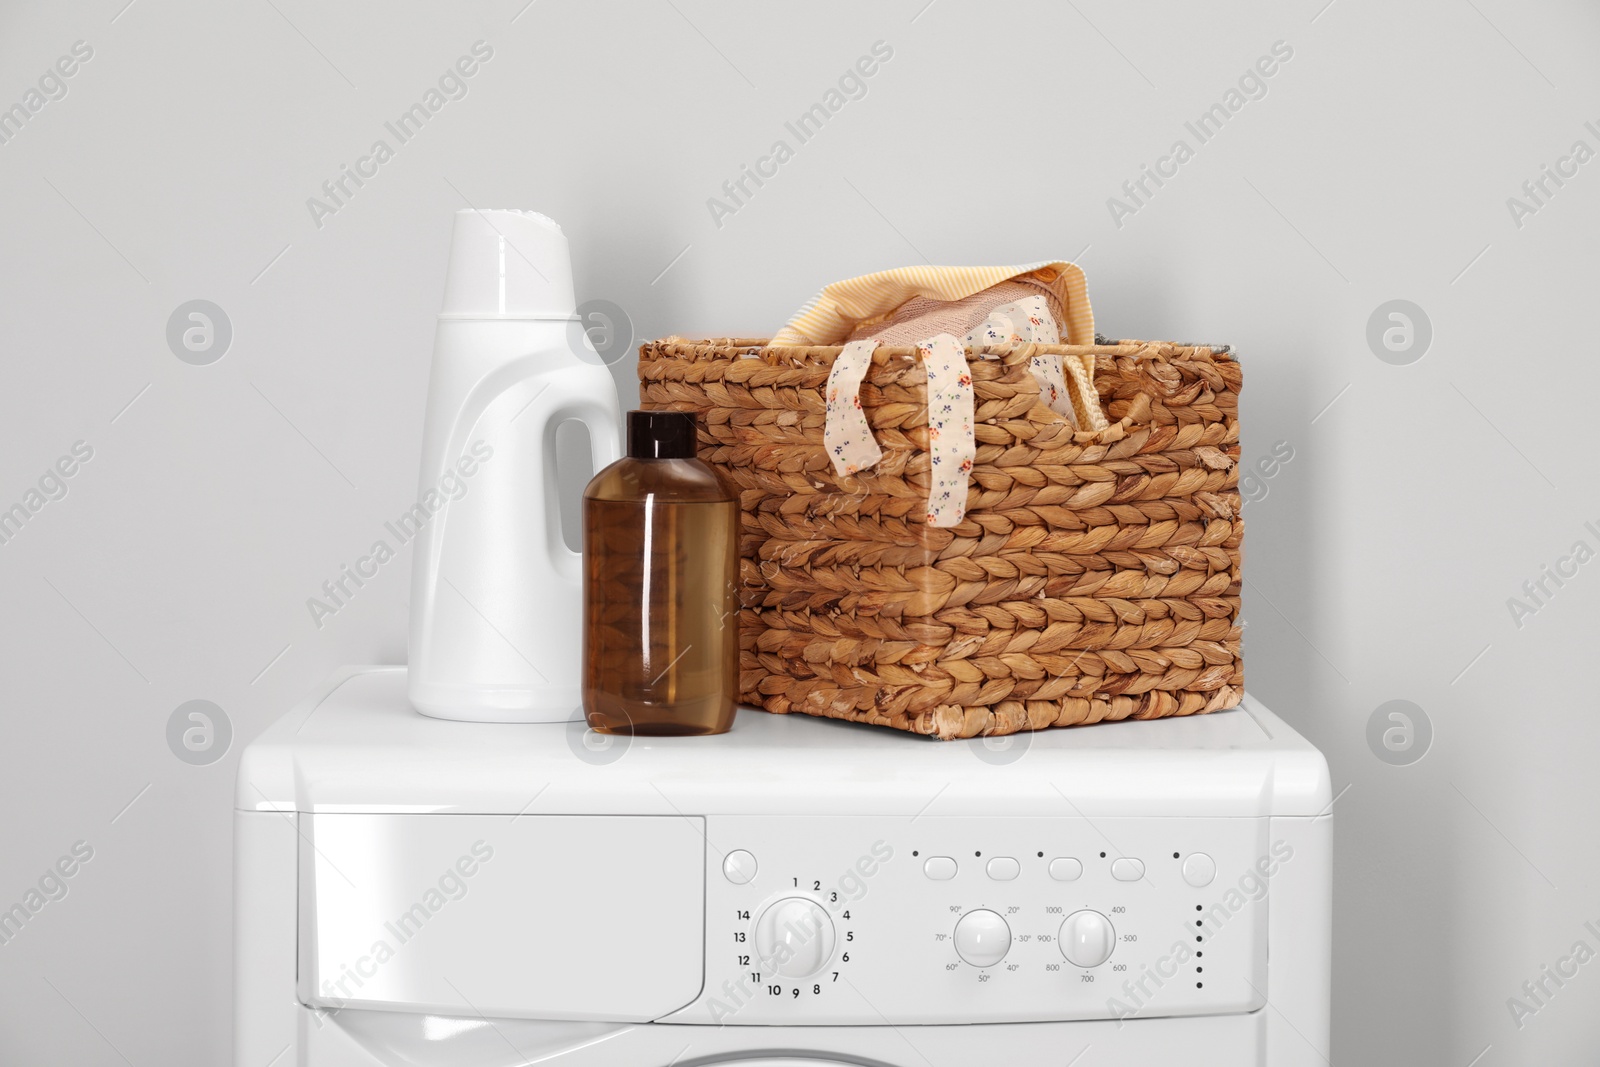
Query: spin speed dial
column 1086, row 938
column 794, row 937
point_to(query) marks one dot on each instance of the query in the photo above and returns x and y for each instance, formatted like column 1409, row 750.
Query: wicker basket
column 1095, row 576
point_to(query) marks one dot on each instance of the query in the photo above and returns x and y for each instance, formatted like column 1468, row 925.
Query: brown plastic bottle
column 660, row 561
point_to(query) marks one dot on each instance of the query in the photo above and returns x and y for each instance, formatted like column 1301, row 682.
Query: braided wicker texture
column 1095, row 576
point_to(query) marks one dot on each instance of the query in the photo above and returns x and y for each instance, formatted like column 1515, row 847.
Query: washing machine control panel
column 880, row 920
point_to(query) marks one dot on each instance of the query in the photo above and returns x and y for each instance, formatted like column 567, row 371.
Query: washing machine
column 794, row 893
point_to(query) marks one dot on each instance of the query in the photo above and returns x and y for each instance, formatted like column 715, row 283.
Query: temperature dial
column 1087, row 938
column 794, row 937
column 982, row 938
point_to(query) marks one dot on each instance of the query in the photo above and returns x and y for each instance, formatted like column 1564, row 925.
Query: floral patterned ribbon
column 845, row 433
column 951, row 443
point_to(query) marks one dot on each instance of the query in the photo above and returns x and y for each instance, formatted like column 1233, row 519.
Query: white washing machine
column 413, row 891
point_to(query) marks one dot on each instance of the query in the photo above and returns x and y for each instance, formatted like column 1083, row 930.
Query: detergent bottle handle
column 570, row 398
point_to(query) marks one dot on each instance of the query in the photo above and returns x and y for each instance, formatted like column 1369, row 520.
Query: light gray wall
column 1380, row 561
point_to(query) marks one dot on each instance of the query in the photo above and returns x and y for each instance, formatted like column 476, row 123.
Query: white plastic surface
column 569, row 917
column 1300, row 926
column 357, row 745
column 265, row 901
column 354, row 1038
column 910, row 951
column 496, row 595
column 844, row 817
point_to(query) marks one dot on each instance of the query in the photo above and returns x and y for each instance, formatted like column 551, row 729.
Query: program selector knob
column 982, row 938
column 794, row 937
column 1086, row 938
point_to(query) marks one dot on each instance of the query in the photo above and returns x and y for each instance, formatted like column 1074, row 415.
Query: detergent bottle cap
column 508, row 264
column 661, row 435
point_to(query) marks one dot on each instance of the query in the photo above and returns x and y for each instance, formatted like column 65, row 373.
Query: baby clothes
column 831, row 316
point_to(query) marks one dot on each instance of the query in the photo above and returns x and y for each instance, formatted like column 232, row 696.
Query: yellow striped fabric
column 842, row 306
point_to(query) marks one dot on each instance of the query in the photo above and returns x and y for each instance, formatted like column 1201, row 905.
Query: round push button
column 982, row 938
column 739, row 867
column 1199, row 869
column 1087, row 938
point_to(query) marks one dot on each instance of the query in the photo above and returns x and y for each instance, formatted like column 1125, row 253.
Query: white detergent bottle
column 496, row 594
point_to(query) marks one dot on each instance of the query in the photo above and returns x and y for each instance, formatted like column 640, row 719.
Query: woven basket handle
column 1066, row 386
